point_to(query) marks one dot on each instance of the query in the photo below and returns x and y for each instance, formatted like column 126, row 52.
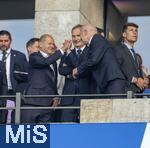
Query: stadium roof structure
column 133, row 7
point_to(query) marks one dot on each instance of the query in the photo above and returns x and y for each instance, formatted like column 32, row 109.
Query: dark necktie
column 133, row 53
column 4, row 57
column 135, row 58
column 79, row 51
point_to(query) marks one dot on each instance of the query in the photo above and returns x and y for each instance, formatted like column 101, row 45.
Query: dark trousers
column 70, row 115
column 116, row 86
column 37, row 115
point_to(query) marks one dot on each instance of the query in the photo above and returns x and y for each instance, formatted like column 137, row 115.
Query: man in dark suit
column 78, row 85
column 106, row 75
column 42, row 80
column 32, row 46
column 127, row 59
column 11, row 60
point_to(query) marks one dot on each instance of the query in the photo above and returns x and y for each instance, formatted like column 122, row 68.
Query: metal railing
column 18, row 97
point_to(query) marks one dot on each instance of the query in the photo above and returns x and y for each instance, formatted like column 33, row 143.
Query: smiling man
column 74, row 85
column 42, row 80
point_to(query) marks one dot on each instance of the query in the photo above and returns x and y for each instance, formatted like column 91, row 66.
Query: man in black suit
column 42, row 80
column 106, row 75
column 78, row 85
column 127, row 59
column 11, row 60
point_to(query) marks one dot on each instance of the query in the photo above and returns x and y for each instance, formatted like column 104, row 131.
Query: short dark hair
column 127, row 25
column 76, row 26
column 5, row 32
column 31, row 42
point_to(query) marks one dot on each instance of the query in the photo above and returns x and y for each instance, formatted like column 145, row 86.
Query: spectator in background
column 144, row 70
column 32, row 45
column 100, row 31
column 12, row 61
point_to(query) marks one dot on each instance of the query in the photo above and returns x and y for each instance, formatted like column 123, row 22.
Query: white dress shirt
column 80, row 49
column 129, row 47
column 8, row 55
column 45, row 55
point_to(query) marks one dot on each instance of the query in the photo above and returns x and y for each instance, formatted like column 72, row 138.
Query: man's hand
column 75, row 73
column 66, row 45
column 56, row 102
column 140, row 83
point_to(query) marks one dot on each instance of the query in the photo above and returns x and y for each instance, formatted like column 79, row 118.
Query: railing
column 18, row 97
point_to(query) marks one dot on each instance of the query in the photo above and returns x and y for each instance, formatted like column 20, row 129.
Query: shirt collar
column 7, row 51
column 82, row 48
column 129, row 46
column 45, row 55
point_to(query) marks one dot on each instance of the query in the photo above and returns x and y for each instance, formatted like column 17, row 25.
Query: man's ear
column 124, row 34
column 40, row 44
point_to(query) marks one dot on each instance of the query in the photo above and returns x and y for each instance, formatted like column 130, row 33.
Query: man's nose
column 3, row 42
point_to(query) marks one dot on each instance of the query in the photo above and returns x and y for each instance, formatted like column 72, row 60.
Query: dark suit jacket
column 102, row 62
column 73, row 86
column 42, row 79
column 17, row 58
column 128, row 66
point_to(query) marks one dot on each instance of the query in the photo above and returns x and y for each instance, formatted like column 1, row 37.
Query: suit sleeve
column 38, row 61
column 97, row 48
column 20, row 69
column 64, row 66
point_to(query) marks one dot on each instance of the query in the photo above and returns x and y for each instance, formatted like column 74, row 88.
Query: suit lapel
column 12, row 61
column 73, row 57
column 131, row 58
column 82, row 55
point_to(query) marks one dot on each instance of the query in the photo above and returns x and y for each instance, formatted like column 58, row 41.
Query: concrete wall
column 92, row 10
column 115, row 110
column 59, row 16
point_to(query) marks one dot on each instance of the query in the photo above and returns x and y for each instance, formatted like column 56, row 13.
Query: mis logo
column 25, row 136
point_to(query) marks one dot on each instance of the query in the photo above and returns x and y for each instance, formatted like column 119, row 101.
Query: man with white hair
column 106, row 75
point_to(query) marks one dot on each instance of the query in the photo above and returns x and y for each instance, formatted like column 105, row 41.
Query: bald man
column 106, row 75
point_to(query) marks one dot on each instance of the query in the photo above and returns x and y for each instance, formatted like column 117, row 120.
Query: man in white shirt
column 11, row 59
